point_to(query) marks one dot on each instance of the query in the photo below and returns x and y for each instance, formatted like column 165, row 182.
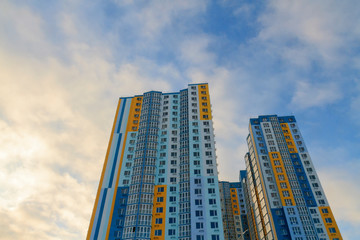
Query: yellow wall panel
column 134, row 114
column 234, row 204
column 288, row 137
column 204, row 102
column 275, row 156
column 156, row 215
column 329, row 222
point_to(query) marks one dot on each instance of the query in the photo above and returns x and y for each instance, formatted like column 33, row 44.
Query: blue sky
column 65, row 63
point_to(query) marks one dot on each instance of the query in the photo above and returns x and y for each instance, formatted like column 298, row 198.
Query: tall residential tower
column 159, row 178
column 234, row 210
column 284, row 196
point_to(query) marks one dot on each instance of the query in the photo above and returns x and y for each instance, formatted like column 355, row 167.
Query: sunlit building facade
column 234, row 210
column 284, row 196
column 160, row 178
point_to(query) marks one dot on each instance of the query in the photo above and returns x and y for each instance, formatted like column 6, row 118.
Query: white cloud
column 22, row 23
column 343, row 195
column 324, row 30
column 195, row 52
column 56, row 108
column 315, row 94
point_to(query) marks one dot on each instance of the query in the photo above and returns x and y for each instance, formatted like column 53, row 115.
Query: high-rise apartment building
column 234, row 210
column 159, row 179
column 284, row 196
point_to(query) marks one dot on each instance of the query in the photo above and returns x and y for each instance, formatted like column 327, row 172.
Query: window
column 172, row 199
column 160, row 199
column 213, row 213
column 324, row 210
column 288, row 202
column 197, row 181
column 210, row 180
column 296, row 230
column 158, row 232
column 276, row 162
column 318, row 193
column 197, row 190
column 312, row 211
column 214, row 225
column 286, row 193
column 199, row 237
column 171, row 232
column 172, row 189
column 172, row 209
column 209, row 171
column 199, row 225
column 158, row 221
column 197, row 171
column 328, row 220
column 293, row 220
column 172, row 220
column 312, row 177
column 215, row 237
column 291, row 211
column 199, row 213
column 316, row 220
column 211, row 190
column 161, row 189
column 198, row 202
column 212, row 201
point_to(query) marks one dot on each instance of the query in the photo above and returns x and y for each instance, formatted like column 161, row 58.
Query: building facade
column 284, row 196
column 160, row 179
column 233, row 209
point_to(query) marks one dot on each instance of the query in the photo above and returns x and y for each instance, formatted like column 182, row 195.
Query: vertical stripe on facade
column 90, row 231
